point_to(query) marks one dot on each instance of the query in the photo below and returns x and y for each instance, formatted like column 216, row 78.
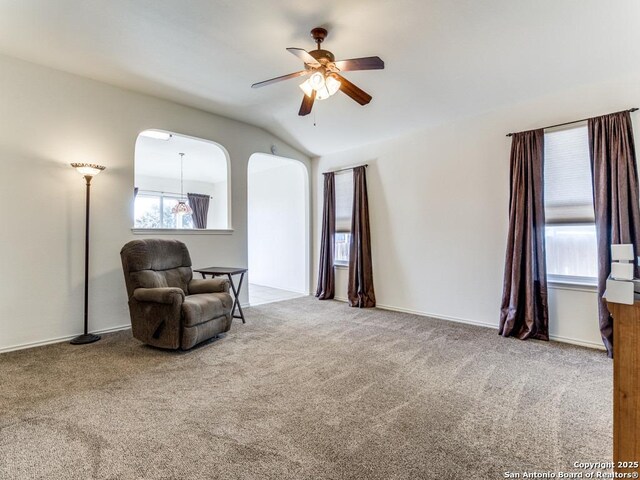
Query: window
column 342, row 242
column 570, row 233
column 153, row 210
column 344, row 206
column 571, row 252
column 168, row 167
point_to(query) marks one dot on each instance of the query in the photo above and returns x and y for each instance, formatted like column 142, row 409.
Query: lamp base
column 87, row 338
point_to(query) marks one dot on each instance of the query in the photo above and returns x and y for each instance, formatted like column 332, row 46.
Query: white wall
column 49, row 118
column 216, row 218
column 439, row 210
column 277, row 223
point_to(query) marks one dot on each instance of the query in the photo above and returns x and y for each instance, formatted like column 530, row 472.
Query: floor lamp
column 88, row 171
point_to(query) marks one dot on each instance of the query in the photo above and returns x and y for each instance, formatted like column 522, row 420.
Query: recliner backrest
column 153, row 263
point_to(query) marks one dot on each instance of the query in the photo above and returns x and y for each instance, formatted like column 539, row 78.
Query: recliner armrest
column 167, row 295
column 209, row 285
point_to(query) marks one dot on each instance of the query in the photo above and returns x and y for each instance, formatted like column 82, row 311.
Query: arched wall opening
column 171, row 168
column 278, row 228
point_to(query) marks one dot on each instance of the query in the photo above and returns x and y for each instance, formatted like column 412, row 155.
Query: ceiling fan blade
column 351, row 90
column 365, row 63
column 307, row 104
column 279, row 79
column 305, row 56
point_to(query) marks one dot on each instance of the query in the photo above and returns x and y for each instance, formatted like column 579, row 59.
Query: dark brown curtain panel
column 615, row 198
column 360, row 291
column 200, row 205
column 326, row 275
column 524, row 312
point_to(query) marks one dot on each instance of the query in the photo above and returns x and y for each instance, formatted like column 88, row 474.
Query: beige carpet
column 306, row 390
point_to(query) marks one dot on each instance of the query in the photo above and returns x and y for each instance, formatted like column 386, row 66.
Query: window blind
column 568, row 194
column 344, row 201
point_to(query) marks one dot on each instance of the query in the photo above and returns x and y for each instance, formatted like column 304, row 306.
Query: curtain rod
column 631, row 110
column 169, row 193
column 347, row 168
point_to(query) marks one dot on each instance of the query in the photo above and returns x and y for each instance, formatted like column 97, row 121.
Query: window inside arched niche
column 159, row 190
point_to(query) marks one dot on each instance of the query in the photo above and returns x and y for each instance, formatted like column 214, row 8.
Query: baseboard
column 302, row 295
column 555, row 338
column 66, row 338
column 438, row 316
column 301, row 292
column 581, row 343
column 391, row 308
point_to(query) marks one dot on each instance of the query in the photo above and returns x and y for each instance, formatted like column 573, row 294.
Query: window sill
column 572, row 284
column 179, row 231
column 343, row 266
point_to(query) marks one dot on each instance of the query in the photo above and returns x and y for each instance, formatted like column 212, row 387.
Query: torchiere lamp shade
column 88, row 169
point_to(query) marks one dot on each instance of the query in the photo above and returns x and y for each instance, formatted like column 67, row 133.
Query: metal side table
column 228, row 272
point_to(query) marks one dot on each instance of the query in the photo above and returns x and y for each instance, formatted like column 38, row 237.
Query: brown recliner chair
column 168, row 307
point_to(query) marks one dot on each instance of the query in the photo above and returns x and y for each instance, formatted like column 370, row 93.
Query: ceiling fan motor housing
column 323, row 56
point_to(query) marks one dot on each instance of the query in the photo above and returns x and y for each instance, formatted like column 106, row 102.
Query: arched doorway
column 278, row 226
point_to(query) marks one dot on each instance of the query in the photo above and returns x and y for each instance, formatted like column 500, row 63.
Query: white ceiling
column 444, row 58
column 204, row 161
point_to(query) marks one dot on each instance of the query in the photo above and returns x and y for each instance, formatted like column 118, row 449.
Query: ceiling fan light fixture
column 330, row 85
column 323, row 93
column 306, row 88
column 333, row 84
column 317, row 81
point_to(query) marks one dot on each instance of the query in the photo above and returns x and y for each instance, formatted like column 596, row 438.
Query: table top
column 220, row 270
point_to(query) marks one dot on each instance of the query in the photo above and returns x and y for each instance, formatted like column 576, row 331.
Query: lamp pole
column 88, row 171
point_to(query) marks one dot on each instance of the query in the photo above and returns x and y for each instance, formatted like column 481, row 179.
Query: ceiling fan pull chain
column 314, row 118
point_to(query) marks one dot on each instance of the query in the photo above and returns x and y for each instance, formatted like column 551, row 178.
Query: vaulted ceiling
column 444, row 59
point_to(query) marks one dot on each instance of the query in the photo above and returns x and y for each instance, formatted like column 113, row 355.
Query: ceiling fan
column 324, row 79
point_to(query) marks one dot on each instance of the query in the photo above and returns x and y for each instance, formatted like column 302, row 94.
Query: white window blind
column 568, row 194
column 344, row 201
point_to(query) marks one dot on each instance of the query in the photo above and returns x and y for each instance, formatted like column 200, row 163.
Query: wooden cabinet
column 626, row 384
